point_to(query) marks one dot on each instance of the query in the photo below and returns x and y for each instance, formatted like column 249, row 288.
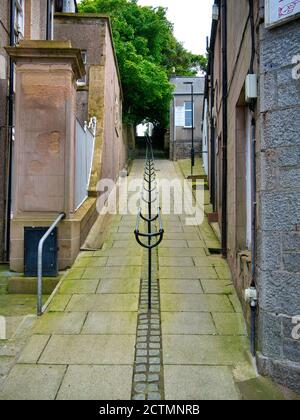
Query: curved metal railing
column 150, row 189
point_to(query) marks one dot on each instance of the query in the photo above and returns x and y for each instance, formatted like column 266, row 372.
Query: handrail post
column 40, row 263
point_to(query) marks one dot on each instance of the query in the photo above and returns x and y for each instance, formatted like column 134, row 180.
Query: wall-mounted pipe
column 224, row 126
column 10, row 130
column 211, row 96
column 254, row 300
column 49, row 20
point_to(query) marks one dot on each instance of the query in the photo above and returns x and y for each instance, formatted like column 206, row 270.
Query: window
column 50, row 20
column 19, row 19
column 188, row 111
column 248, row 159
column 243, row 167
column 83, row 81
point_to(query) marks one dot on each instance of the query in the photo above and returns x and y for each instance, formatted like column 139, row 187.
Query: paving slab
column 222, row 287
column 204, row 350
column 181, row 252
column 207, row 261
column 83, row 261
column 20, row 303
column 112, row 273
column 34, row 348
column 59, row 303
column 75, row 273
column 129, row 228
column 33, row 382
column 236, row 303
column 60, row 323
column 187, row 323
column 98, row 262
column 98, row 383
column 199, row 383
column 123, row 236
column 176, row 262
column 121, row 286
column 230, row 324
column 70, row 287
column 119, row 261
column 182, row 236
column 86, row 254
column 187, row 273
column 195, row 303
column 224, row 272
column 196, row 244
column 89, row 350
column 180, row 286
column 121, row 252
column 126, row 244
column 110, row 323
column 6, row 363
column 168, row 244
column 103, row 303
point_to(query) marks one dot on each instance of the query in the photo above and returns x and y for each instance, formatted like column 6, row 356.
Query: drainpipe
column 10, row 128
column 254, row 300
column 49, row 20
column 224, row 127
column 251, row 295
column 212, row 101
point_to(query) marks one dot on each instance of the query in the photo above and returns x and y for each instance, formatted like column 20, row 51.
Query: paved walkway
column 84, row 347
column 204, row 336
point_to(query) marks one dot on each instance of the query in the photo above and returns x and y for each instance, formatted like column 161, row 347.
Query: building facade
column 251, row 127
column 182, row 113
column 63, row 146
column 19, row 19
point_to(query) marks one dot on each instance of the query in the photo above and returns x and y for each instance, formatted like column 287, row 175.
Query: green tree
column 148, row 53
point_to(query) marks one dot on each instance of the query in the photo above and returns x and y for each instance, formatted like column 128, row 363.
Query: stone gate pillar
column 44, row 147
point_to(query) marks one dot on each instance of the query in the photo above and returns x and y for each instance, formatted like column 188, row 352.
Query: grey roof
column 182, row 89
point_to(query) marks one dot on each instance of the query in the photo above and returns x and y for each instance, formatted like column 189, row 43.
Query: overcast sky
column 191, row 18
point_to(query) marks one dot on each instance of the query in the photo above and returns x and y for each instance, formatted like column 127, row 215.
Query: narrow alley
column 95, row 342
column 149, row 201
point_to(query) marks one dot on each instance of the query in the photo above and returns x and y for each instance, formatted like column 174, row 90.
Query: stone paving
column 97, row 341
column 148, row 370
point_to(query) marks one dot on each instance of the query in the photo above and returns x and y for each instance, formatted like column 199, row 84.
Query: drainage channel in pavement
column 148, row 381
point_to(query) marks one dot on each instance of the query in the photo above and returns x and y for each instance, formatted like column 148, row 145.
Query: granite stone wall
column 279, row 204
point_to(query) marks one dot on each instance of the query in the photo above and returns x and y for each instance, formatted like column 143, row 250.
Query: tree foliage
column 148, row 54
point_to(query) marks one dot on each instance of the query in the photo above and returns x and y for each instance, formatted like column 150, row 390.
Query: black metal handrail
column 149, row 187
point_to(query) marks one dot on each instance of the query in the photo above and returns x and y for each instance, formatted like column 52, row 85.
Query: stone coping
column 53, row 51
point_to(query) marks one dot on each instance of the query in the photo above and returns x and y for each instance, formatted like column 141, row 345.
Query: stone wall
column 90, row 38
column 279, row 198
column 102, row 96
column 114, row 149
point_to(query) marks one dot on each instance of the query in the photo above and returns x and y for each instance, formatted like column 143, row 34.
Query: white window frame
column 52, row 11
column 189, row 110
column 19, row 19
column 83, row 81
column 248, row 159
